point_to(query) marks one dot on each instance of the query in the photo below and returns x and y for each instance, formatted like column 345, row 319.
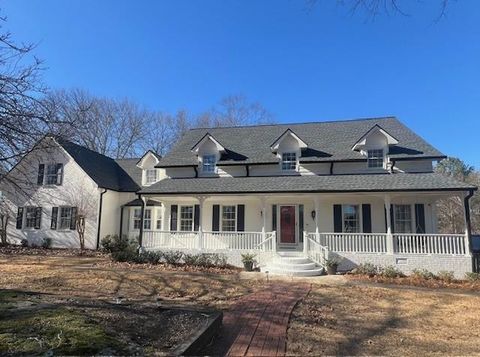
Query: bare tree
column 6, row 214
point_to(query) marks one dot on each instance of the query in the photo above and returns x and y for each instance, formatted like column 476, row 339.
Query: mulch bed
column 416, row 281
column 19, row 250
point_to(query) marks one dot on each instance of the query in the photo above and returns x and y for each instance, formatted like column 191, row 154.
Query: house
column 58, row 181
column 294, row 194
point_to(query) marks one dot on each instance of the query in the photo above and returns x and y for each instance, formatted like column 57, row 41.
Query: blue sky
column 301, row 64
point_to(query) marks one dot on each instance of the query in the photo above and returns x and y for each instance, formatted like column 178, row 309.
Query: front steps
column 292, row 264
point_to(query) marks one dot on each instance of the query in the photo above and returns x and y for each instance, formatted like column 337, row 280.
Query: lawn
column 341, row 318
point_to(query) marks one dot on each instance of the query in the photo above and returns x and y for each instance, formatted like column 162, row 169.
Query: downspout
column 331, row 168
column 248, row 170
column 100, row 217
column 196, row 171
column 468, row 223
column 121, row 221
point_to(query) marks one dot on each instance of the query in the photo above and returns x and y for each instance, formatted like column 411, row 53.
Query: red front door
column 287, row 224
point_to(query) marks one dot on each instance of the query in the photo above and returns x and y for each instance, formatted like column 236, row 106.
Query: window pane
column 208, row 163
column 65, row 217
column 186, row 218
column 137, row 215
column 403, row 218
column 351, row 219
column 151, row 175
column 30, row 217
column 51, row 177
column 229, row 218
column 147, row 220
column 289, row 161
column 375, row 158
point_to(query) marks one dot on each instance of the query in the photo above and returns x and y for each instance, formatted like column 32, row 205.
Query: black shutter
column 59, row 171
column 73, row 221
column 420, row 217
column 337, row 219
column 173, row 217
column 367, row 218
column 274, row 217
column 19, row 217
column 196, row 218
column 241, row 218
column 300, row 222
column 216, row 218
column 41, row 172
column 392, row 218
column 38, row 217
column 53, row 222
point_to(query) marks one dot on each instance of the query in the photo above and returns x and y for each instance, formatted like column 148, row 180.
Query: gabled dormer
column 147, row 163
column 375, row 146
column 208, row 151
column 288, row 148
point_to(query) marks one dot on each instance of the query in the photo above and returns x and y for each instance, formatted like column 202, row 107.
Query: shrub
column 172, row 257
column 24, row 243
column 190, row 259
column 423, row 274
column 446, row 276
column 47, row 243
column 248, row 258
column 219, row 260
column 115, row 243
column 125, row 256
column 366, row 269
column 333, row 262
column 472, row 276
column 148, row 257
column 391, row 272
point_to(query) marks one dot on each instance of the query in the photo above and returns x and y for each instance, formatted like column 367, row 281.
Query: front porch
column 385, row 229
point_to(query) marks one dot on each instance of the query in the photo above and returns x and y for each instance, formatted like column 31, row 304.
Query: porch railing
column 453, row 244
column 314, row 250
column 209, row 240
column 354, row 242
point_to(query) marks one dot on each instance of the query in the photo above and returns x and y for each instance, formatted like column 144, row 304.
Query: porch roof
column 326, row 183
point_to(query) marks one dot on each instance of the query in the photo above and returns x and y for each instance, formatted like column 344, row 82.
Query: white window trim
column 202, row 166
column 296, row 161
column 145, row 181
column 59, row 219
column 377, row 157
column 179, row 218
column 236, row 217
column 360, row 217
column 24, row 218
column 46, row 174
column 413, row 223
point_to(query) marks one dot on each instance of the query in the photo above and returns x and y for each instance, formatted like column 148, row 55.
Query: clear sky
column 302, row 64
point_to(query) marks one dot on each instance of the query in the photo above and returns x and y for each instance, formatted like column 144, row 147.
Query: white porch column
column 201, row 201
column 163, row 210
column 317, row 217
column 263, row 201
column 389, row 224
column 468, row 225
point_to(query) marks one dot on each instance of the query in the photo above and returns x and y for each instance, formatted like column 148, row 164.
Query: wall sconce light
column 313, row 213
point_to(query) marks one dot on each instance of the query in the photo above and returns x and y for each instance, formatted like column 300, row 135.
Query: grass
column 30, row 329
column 335, row 319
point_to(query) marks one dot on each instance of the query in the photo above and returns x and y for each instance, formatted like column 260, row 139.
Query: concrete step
column 291, row 260
column 312, row 272
column 293, row 266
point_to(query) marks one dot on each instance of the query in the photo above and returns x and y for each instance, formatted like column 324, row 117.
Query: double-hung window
column 209, row 163
column 150, row 176
column 229, row 218
column 375, row 159
column 289, row 161
column 158, row 221
column 30, row 217
column 147, row 219
column 186, row 218
column 403, row 218
column 66, row 217
column 351, row 218
column 137, row 218
column 53, row 176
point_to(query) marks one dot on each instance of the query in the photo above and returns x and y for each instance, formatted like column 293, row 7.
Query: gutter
column 100, row 217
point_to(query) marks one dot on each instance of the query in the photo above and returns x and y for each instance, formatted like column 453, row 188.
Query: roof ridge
column 299, row 123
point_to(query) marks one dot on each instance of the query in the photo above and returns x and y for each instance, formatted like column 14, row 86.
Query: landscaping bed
column 11, row 249
column 38, row 324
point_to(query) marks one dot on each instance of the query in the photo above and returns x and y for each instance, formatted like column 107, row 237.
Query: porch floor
column 256, row 325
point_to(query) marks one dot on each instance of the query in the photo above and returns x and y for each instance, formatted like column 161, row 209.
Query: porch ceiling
column 327, row 183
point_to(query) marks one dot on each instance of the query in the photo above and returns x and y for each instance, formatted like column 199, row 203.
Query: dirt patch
column 352, row 320
column 38, row 324
column 417, row 281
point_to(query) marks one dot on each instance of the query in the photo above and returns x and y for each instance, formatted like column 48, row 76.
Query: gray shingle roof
column 328, row 141
column 327, row 183
column 131, row 168
column 102, row 169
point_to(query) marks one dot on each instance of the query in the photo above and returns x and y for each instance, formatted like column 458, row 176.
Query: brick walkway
column 256, row 325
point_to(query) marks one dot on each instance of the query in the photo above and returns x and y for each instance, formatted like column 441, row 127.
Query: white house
column 294, row 194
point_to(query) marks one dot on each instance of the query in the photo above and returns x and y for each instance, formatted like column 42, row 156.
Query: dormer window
column 209, row 163
column 150, row 176
column 289, row 161
column 375, row 159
